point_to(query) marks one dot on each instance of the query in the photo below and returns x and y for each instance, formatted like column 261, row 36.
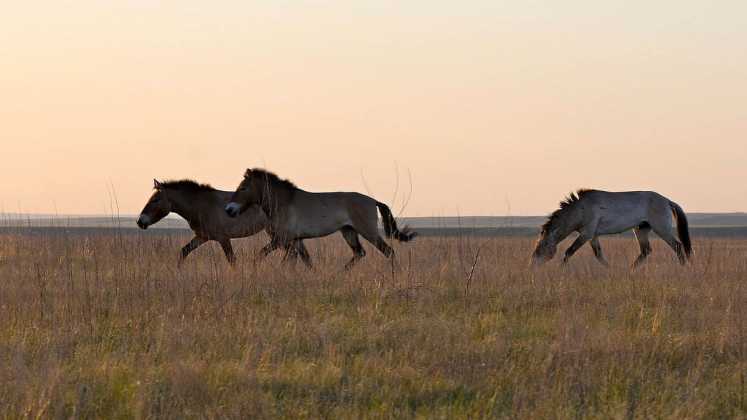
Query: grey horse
column 593, row 213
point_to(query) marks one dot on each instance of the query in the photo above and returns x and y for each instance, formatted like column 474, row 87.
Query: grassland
column 106, row 326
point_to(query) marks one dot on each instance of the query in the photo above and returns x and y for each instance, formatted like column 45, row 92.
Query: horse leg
column 575, row 246
column 641, row 233
column 267, row 249
column 301, row 250
column 351, row 237
column 384, row 247
column 368, row 228
column 598, row 251
column 669, row 238
column 187, row 249
column 379, row 243
column 228, row 250
column 290, row 252
column 292, row 249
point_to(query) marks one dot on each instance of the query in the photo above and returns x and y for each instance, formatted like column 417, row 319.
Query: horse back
column 620, row 211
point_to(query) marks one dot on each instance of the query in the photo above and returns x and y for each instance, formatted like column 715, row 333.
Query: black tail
column 390, row 225
column 682, row 228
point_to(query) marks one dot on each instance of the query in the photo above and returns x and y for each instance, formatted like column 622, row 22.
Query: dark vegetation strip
column 696, row 231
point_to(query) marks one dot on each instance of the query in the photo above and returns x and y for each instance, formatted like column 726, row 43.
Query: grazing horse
column 202, row 206
column 592, row 213
column 297, row 214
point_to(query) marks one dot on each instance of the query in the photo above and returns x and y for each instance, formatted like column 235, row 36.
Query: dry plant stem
column 472, row 271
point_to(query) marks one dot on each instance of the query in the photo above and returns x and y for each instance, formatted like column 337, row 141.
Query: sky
column 466, row 108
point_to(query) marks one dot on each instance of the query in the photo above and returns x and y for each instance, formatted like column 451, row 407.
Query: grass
column 105, row 326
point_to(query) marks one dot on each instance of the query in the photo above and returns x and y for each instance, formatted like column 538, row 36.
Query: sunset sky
column 492, row 107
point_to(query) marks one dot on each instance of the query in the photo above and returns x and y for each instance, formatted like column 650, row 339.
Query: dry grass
column 106, row 326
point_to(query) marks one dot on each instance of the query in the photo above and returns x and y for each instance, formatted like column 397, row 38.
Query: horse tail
column 390, row 225
column 682, row 227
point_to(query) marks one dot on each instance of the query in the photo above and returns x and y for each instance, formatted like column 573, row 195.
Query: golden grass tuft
column 106, row 326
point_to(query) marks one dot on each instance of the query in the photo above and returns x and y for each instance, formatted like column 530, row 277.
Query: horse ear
column 248, row 173
column 157, row 185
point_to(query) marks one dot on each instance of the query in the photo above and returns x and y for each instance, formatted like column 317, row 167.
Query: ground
column 105, row 325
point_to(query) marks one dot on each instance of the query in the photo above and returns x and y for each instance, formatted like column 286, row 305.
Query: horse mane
column 271, row 178
column 187, row 185
column 566, row 204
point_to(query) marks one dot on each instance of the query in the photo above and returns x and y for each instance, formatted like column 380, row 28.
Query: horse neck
column 186, row 207
column 566, row 224
column 279, row 197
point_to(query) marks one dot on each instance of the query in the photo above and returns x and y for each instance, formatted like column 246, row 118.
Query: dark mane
column 187, row 185
column 271, row 178
column 566, row 204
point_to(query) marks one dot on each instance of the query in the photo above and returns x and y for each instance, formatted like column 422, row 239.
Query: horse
column 202, row 207
column 593, row 213
column 296, row 214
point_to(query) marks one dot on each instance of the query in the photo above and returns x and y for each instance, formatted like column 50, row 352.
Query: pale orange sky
column 493, row 107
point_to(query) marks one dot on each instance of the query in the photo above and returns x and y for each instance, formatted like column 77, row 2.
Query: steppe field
column 103, row 325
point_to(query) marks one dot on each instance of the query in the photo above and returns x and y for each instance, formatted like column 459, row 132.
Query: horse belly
column 318, row 225
column 244, row 231
column 617, row 222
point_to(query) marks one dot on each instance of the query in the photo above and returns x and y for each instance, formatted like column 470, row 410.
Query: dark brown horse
column 295, row 214
column 202, row 206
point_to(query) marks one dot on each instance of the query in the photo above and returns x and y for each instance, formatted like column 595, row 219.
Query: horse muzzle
column 143, row 222
column 233, row 209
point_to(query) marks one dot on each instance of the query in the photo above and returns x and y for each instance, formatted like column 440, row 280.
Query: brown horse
column 202, row 207
column 295, row 214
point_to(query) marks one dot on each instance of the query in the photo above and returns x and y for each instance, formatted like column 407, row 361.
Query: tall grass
column 106, row 326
